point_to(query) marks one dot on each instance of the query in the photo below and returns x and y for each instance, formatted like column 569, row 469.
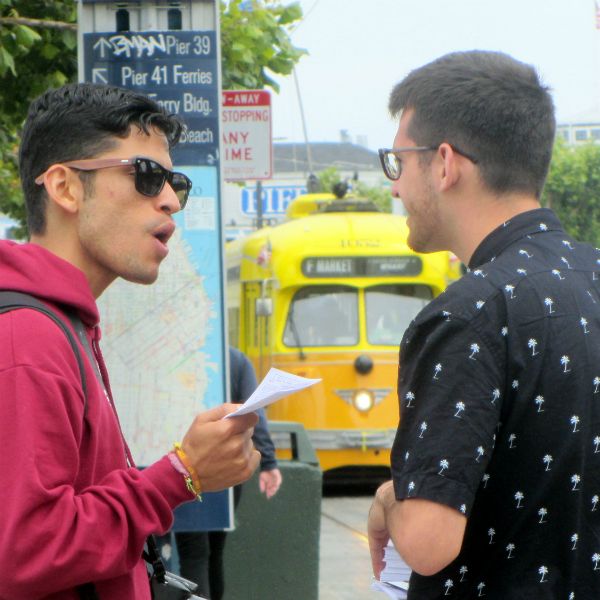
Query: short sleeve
column 451, row 391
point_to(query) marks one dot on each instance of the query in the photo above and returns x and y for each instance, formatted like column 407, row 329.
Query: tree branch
column 42, row 23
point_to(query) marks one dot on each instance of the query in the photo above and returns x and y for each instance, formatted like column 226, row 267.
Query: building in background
column 293, row 163
column 580, row 133
column 582, row 129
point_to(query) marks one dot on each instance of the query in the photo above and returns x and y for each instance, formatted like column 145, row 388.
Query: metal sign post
column 165, row 343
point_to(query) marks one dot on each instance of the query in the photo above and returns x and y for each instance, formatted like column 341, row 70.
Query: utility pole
column 259, row 205
column 308, row 153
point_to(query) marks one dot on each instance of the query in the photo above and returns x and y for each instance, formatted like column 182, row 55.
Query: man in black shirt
column 496, row 463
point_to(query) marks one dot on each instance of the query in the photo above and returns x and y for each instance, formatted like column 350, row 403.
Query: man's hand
column 427, row 535
column 269, row 482
column 377, row 527
column 221, row 450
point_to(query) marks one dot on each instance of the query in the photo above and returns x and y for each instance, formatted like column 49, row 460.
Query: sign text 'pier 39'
column 178, row 69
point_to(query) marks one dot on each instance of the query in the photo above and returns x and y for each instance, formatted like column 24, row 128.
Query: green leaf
column 69, row 39
column 6, row 62
column 49, row 51
column 290, row 14
column 26, row 36
column 253, row 32
column 9, row 42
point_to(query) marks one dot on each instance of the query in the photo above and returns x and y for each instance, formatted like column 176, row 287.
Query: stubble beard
column 425, row 231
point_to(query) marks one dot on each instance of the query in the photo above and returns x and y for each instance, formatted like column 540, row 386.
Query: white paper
column 393, row 591
column 394, row 576
column 275, row 385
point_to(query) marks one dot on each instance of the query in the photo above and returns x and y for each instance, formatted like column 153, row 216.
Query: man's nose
column 168, row 200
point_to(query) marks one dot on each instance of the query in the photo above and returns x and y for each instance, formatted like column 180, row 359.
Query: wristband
column 181, row 464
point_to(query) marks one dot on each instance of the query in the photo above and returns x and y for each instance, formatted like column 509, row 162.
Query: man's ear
column 449, row 168
column 64, row 188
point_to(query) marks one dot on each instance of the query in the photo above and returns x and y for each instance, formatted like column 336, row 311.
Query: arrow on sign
column 103, row 44
column 99, row 75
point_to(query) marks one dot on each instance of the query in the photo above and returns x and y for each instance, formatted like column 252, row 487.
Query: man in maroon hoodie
column 100, row 198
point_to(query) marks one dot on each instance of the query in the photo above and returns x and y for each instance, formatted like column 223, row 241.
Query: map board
column 164, row 344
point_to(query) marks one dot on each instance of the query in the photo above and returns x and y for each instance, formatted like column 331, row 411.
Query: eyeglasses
column 150, row 176
column 392, row 165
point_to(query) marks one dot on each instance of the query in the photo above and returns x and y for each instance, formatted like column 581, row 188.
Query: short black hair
column 489, row 105
column 78, row 121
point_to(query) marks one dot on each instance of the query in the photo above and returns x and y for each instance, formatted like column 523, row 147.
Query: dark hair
column 79, row 121
column 489, row 105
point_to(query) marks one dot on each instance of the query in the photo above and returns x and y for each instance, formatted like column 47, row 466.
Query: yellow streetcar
column 328, row 294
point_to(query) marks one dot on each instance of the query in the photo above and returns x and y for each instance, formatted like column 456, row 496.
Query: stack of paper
column 394, row 578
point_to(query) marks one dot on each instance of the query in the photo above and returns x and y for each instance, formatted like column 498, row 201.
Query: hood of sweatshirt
column 31, row 269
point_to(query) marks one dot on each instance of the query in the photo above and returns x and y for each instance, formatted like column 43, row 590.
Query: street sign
column 178, row 69
column 246, row 127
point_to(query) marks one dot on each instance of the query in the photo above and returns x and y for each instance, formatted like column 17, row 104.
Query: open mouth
column 164, row 233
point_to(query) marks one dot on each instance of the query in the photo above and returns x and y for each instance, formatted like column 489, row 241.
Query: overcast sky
column 358, row 49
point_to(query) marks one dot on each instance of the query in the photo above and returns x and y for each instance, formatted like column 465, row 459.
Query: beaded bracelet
column 181, row 463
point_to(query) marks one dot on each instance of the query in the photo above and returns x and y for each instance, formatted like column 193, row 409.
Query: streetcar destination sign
column 361, row 266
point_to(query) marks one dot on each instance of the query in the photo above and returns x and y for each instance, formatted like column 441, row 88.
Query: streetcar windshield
column 322, row 316
column 391, row 308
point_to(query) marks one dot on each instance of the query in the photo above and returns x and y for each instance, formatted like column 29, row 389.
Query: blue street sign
column 178, row 69
column 275, row 199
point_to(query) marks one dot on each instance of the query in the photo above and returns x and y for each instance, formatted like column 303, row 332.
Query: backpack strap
column 16, row 300
column 88, row 591
column 79, row 328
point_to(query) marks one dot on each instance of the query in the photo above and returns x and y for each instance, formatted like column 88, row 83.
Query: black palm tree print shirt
column 499, row 391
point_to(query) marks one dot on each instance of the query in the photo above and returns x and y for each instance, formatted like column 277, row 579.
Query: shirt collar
column 527, row 223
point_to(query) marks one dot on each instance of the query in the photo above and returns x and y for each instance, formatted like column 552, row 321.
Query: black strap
column 16, row 300
column 152, row 557
column 88, row 591
column 79, row 328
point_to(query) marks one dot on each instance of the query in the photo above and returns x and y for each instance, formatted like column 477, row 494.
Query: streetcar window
column 322, row 316
column 391, row 308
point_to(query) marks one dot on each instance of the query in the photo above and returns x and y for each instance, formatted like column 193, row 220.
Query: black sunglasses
column 392, row 165
column 150, row 176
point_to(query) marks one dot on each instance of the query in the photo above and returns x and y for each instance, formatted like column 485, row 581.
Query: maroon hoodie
column 71, row 511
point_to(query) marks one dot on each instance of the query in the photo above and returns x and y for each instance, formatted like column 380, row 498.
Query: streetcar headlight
column 363, row 400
